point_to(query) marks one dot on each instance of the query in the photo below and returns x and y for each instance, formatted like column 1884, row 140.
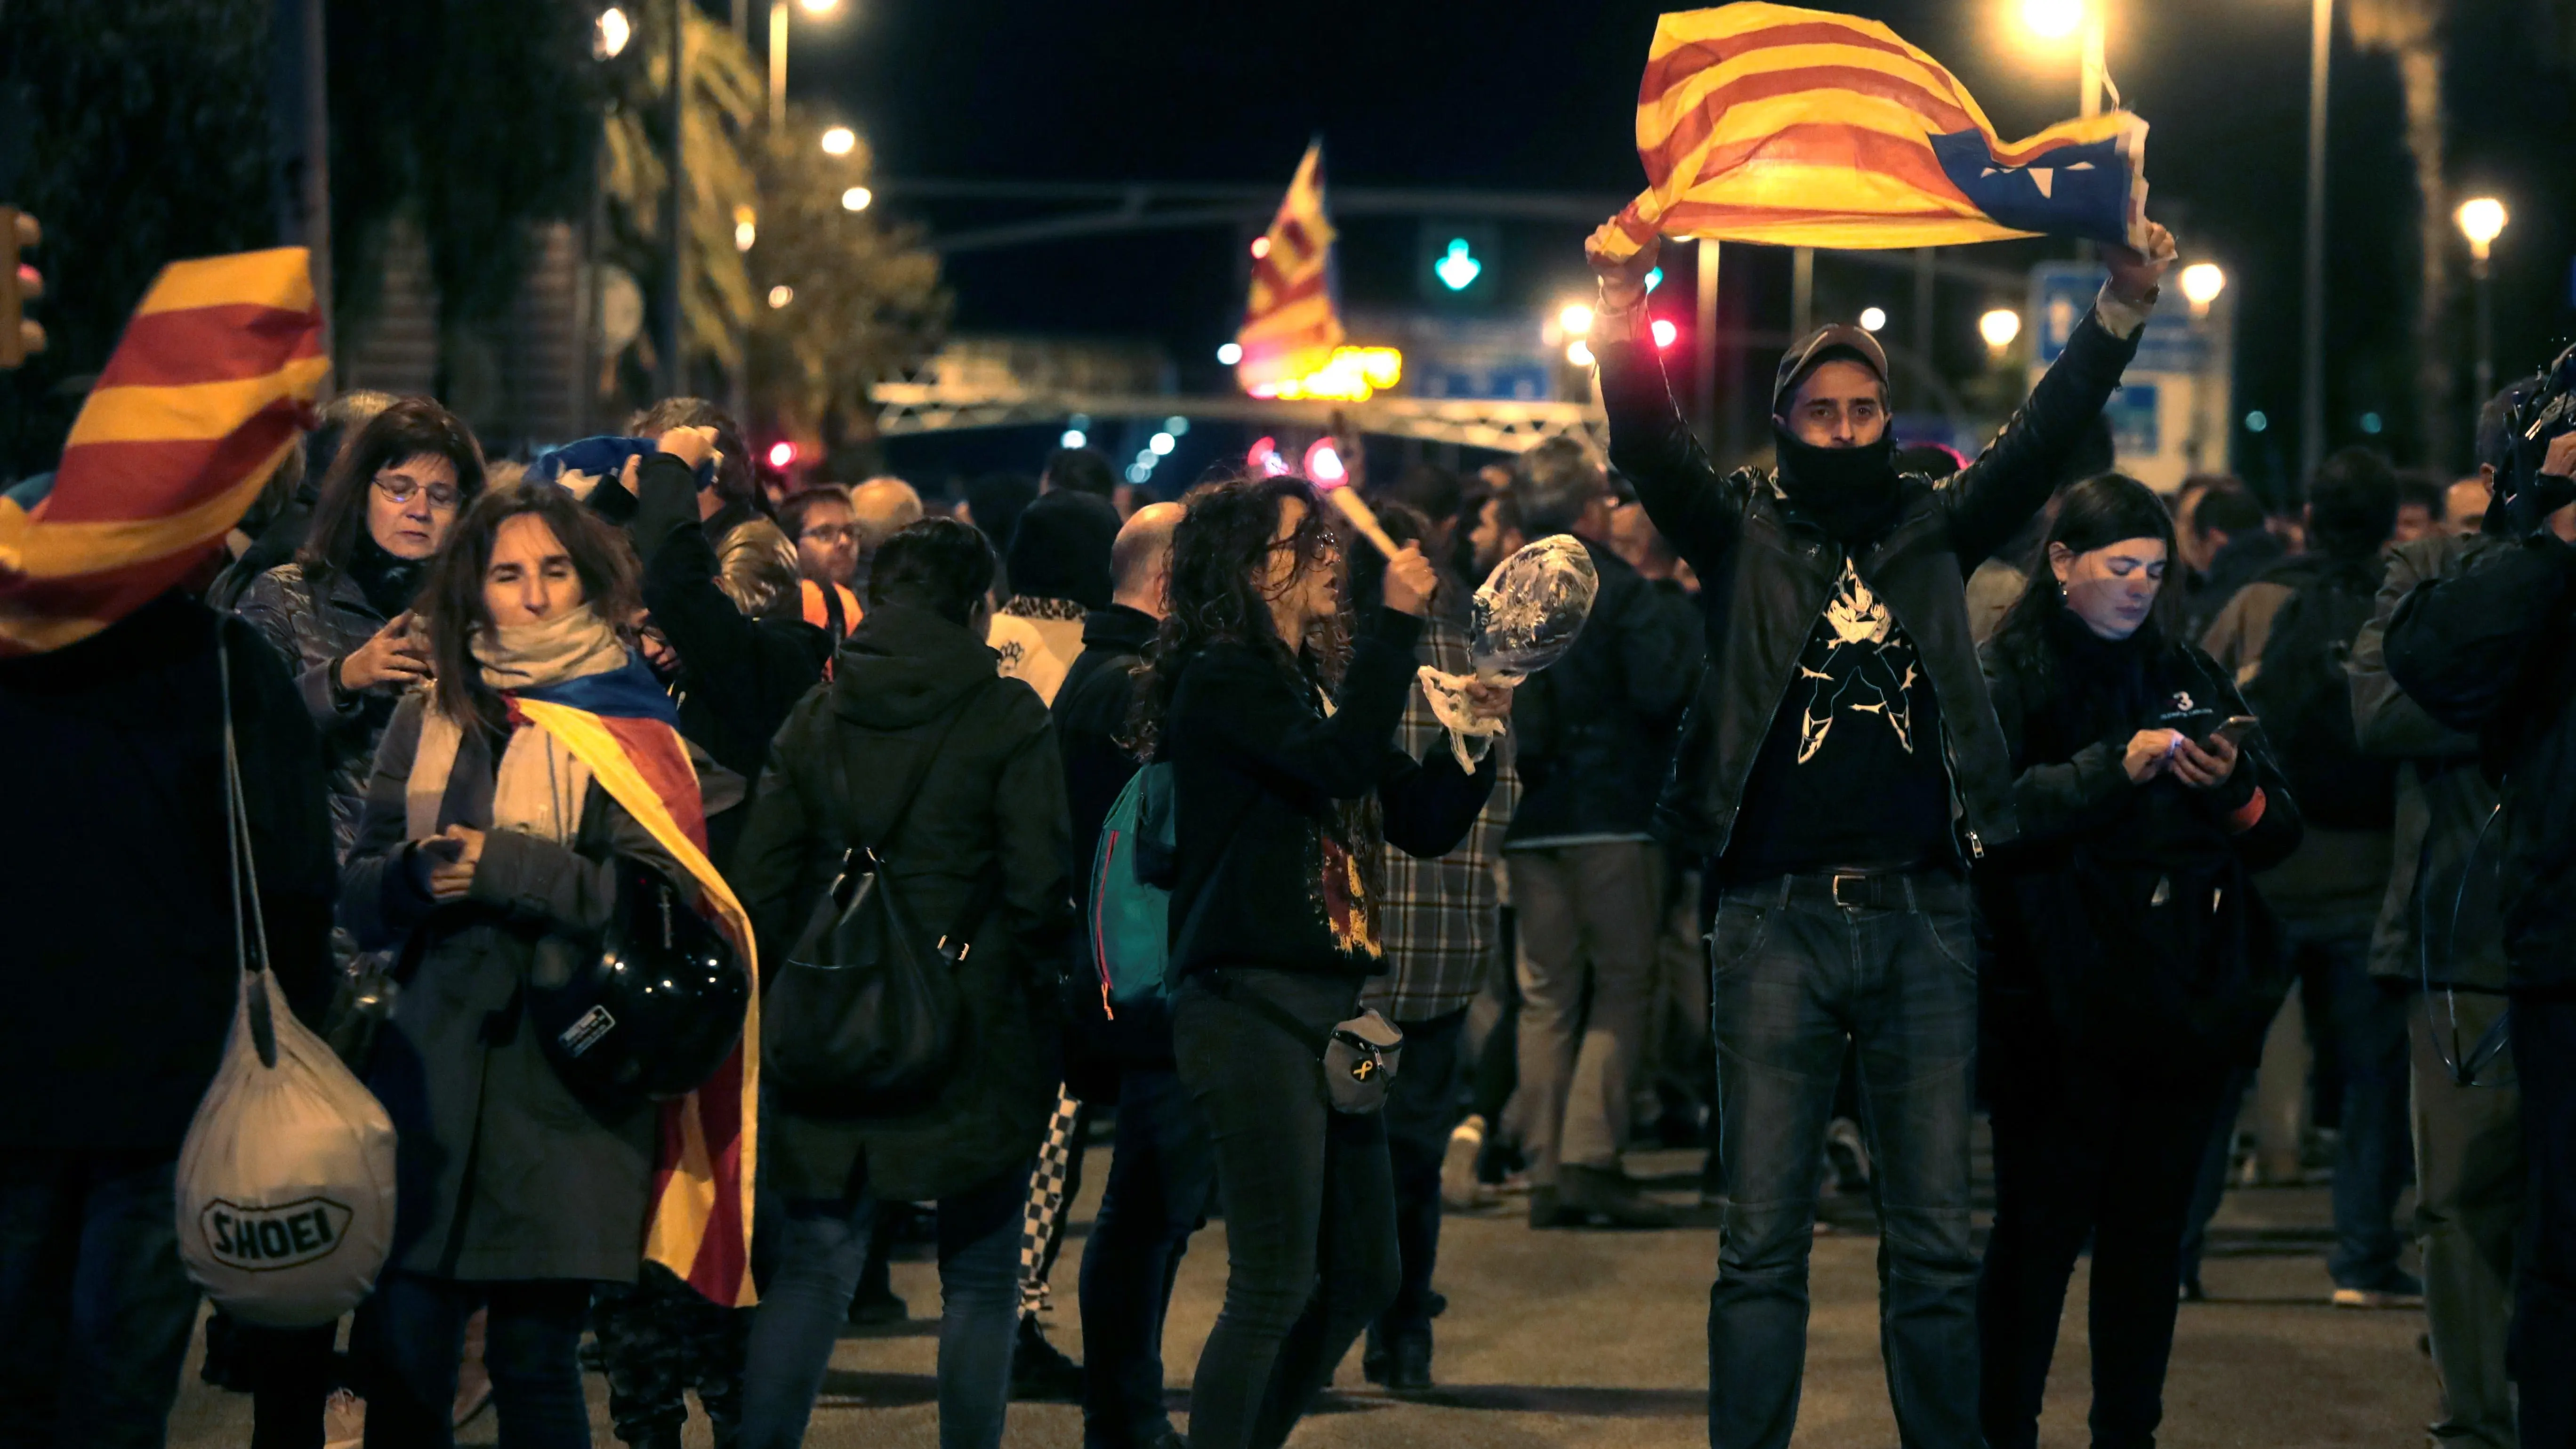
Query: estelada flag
column 1768, row 123
column 206, row 392
column 1290, row 327
column 621, row 725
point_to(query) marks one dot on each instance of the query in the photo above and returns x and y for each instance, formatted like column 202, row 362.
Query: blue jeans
column 822, row 1248
column 411, row 1335
column 2374, row 1152
column 1162, row 1181
column 95, row 1311
column 1795, row 975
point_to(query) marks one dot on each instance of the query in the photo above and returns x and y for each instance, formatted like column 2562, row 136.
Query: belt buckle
column 1850, row 905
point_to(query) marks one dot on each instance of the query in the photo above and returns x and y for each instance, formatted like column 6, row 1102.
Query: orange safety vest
column 825, row 611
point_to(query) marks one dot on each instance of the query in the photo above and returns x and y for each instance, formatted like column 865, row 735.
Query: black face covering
column 389, row 583
column 1850, row 492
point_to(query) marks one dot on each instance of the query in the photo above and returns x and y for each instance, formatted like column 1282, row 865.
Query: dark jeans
column 1309, row 1204
column 1420, row 1110
column 822, row 1248
column 2097, row 1149
column 1795, row 975
column 95, row 1311
column 411, row 1335
column 291, row 1373
column 2544, row 1301
column 2372, row 1156
column 1162, row 1181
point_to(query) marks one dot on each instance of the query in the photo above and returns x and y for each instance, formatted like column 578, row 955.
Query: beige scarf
column 538, row 788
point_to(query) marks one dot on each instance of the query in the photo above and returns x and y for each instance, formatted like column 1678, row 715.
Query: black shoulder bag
column 864, row 1018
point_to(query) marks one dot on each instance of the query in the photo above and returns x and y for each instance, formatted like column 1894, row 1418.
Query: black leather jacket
column 1766, row 573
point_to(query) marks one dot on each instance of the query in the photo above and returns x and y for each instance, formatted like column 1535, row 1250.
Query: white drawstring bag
column 286, row 1181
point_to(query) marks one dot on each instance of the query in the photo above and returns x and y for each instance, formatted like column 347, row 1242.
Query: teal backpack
column 1131, row 901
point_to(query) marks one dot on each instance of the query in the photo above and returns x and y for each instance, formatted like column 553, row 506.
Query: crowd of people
column 1880, row 787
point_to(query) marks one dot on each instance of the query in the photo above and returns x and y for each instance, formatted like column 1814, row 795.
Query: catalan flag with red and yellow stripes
column 1290, row 327
column 1769, row 123
column 206, row 392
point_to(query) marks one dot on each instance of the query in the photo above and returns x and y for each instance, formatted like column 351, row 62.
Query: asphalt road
column 1597, row 1340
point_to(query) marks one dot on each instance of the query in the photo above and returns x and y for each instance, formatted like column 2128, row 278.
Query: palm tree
column 2410, row 33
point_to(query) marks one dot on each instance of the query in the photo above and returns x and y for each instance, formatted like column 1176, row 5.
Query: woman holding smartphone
column 2133, row 962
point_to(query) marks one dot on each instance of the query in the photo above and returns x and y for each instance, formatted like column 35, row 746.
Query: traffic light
column 19, row 285
column 1455, row 263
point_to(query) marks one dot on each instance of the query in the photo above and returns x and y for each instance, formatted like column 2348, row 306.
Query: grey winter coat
column 501, row 1173
column 992, row 808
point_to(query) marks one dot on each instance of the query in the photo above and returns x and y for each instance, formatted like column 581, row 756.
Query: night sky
column 1542, row 97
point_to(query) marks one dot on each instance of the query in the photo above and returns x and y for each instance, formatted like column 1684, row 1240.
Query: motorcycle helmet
column 654, row 1010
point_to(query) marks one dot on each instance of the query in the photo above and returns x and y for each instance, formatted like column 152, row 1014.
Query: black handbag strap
column 953, row 944
column 845, row 804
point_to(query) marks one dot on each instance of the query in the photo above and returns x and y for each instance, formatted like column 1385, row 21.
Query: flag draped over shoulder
column 1290, row 327
column 622, row 726
column 1769, row 123
column 206, row 392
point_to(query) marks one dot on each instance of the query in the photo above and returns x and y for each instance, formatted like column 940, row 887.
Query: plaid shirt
column 1441, row 919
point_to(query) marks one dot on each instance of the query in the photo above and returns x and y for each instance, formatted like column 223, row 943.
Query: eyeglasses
column 403, row 488
column 1317, row 544
column 832, row 533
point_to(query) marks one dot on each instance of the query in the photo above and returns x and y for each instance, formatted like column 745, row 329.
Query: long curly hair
column 1219, row 594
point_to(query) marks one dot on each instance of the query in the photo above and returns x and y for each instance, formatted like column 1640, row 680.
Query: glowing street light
column 1229, row 353
column 1873, row 319
column 857, row 198
column 814, row 10
column 2201, row 284
column 614, row 31
column 1073, row 438
column 2482, row 220
column 840, row 141
column 2052, row 19
column 1162, row 444
column 746, row 228
column 1578, row 354
column 820, row 8
column 780, row 296
column 1576, row 319
column 1999, row 327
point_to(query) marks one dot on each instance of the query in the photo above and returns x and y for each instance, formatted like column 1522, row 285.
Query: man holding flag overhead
column 1841, row 767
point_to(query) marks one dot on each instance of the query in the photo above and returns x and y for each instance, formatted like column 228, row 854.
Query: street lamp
column 614, row 31
column 840, row 141
column 1873, row 319
column 2201, row 284
column 2058, row 19
column 2482, row 220
column 778, row 51
column 857, row 198
column 1999, row 327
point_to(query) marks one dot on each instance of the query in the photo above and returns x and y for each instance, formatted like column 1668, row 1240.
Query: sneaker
column 1847, row 1155
column 2401, row 1290
column 344, row 1421
column 1040, row 1373
column 1458, row 1184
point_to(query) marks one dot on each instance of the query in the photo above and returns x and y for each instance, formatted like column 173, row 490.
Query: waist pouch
column 1359, row 1055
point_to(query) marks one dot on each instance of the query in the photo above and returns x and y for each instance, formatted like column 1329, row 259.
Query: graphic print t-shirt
column 1851, row 773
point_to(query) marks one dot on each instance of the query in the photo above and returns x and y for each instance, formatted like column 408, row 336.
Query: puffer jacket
column 313, row 634
column 1767, row 573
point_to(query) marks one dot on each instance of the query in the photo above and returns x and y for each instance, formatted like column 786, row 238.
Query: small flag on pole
column 1769, row 123
column 209, row 387
column 1290, row 327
